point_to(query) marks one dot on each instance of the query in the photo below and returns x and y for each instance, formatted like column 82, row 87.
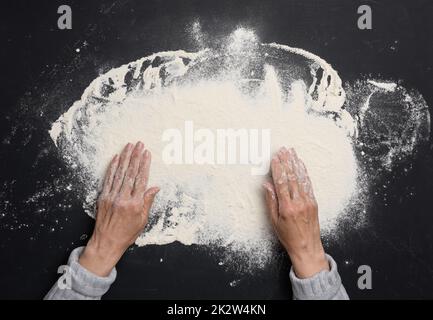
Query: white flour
column 216, row 205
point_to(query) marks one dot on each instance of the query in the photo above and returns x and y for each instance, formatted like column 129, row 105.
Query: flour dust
column 243, row 84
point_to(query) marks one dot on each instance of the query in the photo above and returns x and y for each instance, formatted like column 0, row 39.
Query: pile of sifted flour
column 243, row 85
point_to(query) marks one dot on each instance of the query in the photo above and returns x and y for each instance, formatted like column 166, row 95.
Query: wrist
column 308, row 264
column 99, row 259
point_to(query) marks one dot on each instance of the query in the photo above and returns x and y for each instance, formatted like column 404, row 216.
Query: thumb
column 149, row 196
column 271, row 201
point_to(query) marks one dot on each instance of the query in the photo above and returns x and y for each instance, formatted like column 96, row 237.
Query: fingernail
column 146, row 153
column 115, row 157
column 140, row 144
column 129, row 145
column 283, row 149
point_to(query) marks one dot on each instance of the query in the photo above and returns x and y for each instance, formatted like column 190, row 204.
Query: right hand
column 294, row 213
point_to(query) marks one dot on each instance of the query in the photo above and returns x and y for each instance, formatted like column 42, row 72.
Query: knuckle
column 286, row 211
column 301, row 206
column 310, row 205
column 142, row 178
column 148, row 197
column 120, row 202
column 135, row 156
column 131, row 205
column 284, row 197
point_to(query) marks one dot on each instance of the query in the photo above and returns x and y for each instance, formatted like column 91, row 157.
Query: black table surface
column 42, row 74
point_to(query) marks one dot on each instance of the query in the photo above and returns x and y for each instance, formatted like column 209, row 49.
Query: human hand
column 122, row 209
column 294, row 213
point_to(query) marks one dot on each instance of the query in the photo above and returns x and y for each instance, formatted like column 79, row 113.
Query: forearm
column 122, row 213
column 325, row 285
column 84, row 285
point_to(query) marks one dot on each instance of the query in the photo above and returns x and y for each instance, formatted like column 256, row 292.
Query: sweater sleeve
column 83, row 285
column 325, row 285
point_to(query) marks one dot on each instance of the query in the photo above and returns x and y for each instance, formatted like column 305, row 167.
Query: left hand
column 122, row 209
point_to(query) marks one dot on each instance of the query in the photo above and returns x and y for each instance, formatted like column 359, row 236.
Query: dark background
column 41, row 75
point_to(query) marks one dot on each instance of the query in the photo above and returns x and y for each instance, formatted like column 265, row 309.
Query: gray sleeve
column 84, row 285
column 325, row 285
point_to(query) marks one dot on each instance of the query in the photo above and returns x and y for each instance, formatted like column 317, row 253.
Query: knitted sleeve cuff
column 325, row 285
column 85, row 282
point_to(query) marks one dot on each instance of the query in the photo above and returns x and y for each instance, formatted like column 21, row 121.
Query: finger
column 121, row 169
column 143, row 175
column 288, row 160
column 280, row 179
column 271, row 201
column 149, row 197
column 109, row 176
column 307, row 186
column 132, row 171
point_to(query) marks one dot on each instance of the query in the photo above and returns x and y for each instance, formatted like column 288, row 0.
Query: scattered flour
column 387, row 86
column 243, row 85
